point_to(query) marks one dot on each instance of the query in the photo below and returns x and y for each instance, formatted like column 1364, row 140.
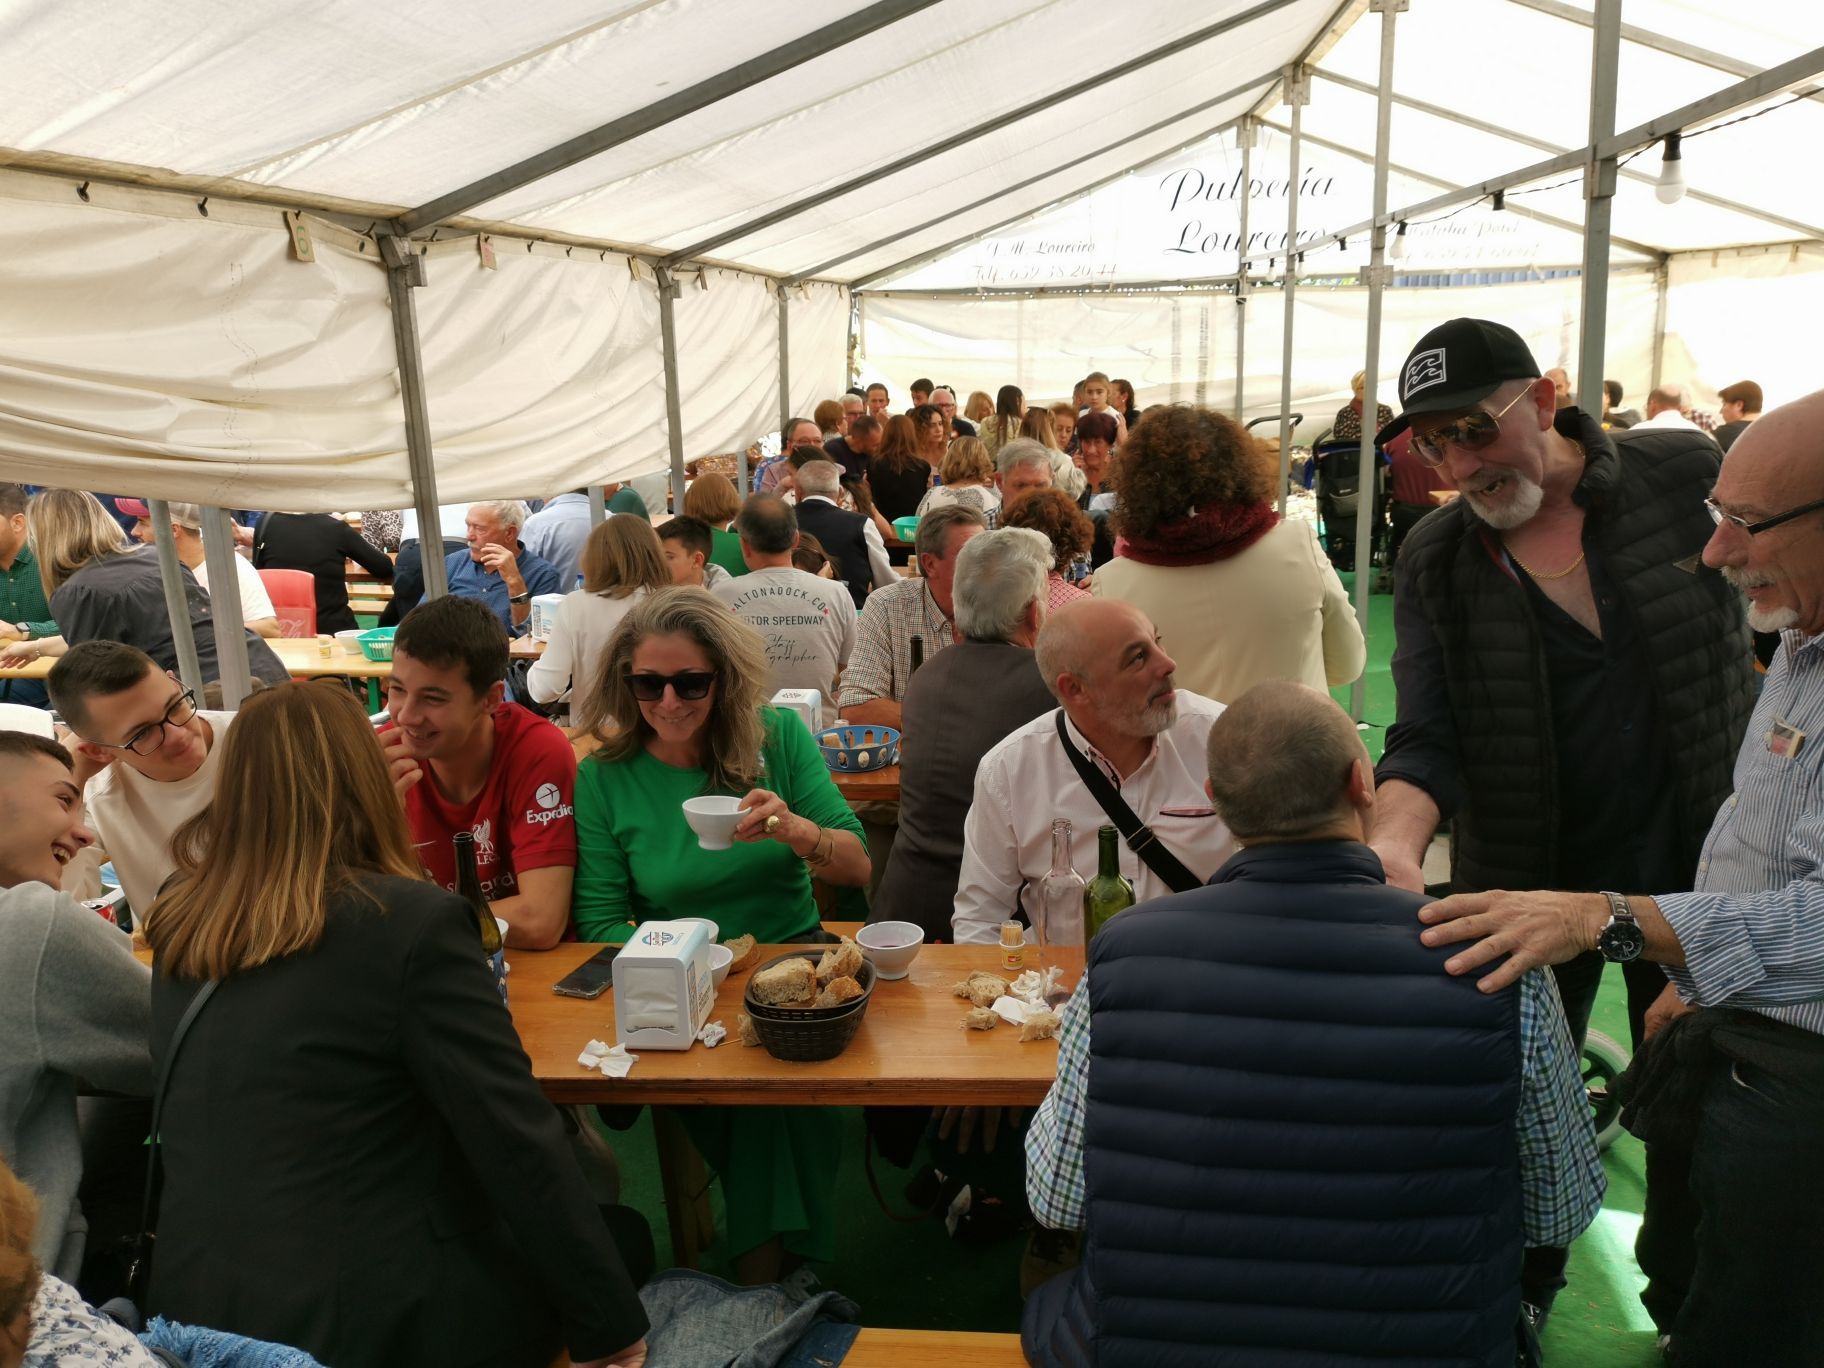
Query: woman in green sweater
column 690, row 679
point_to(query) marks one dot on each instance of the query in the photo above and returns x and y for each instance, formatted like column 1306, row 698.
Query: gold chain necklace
column 1536, row 575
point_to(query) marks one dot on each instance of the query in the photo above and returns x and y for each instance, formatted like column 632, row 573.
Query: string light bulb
column 1671, row 185
column 1398, row 250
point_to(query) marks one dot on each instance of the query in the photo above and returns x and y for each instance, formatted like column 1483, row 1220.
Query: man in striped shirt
column 1733, row 1090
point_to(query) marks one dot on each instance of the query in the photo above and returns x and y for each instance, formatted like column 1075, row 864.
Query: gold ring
column 772, row 824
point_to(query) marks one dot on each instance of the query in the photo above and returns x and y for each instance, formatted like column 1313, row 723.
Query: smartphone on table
column 591, row 978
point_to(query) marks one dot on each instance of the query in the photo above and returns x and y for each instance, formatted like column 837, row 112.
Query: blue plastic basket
column 856, row 747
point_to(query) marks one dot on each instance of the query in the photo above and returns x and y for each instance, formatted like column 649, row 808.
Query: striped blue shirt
column 1561, row 1176
column 1753, row 931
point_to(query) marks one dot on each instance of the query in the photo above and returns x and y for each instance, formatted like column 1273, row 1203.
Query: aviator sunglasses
column 687, row 684
column 1477, row 432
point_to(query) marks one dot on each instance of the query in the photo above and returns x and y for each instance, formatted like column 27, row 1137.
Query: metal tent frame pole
column 1297, row 96
column 1367, row 475
column 674, row 405
column 1662, row 280
column 404, row 273
column 598, row 509
column 225, row 609
column 1246, row 135
column 177, row 603
column 1599, row 195
column 785, row 357
column 849, row 368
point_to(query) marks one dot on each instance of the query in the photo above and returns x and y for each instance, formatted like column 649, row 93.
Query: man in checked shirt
column 1729, row 1091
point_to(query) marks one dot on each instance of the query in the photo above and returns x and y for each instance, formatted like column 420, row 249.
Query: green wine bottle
column 1107, row 893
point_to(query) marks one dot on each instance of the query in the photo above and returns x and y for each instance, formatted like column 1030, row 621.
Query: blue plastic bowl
column 856, row 747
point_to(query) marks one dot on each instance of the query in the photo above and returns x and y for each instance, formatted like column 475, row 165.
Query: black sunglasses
column 1477, row 432
column 687, row 684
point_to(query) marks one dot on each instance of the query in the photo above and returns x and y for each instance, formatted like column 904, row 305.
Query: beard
column 1518, row 509
column 1759, row 618
column 1149, row 719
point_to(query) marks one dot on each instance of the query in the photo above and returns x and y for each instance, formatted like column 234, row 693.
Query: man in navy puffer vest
column 1293, row 1139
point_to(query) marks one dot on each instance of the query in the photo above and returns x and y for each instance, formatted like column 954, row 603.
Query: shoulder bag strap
column 142, row 1246
column 1140, row 838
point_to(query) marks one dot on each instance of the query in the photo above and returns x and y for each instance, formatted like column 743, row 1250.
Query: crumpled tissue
column 612, row 1060
column 712, row 1034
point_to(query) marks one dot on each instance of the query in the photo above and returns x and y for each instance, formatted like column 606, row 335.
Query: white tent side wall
column 1733, row 315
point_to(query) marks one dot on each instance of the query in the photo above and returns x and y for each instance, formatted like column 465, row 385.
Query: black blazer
column 319, row 544
column 326, row 1124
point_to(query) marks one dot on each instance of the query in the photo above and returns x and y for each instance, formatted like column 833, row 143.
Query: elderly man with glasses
column 1573, row 684
column 1729, row 1093
column 145, row 754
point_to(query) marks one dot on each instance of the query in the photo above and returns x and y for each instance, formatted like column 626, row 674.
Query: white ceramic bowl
column 892, row 946
column 720, row 957
column 346, row 641
column 715, row 932
column 714, row 820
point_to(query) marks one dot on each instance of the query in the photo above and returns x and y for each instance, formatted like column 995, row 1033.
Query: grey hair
column 187, row 515
column 1059, row 651
column 507, row 512
column 998, row 577
column 1280, row 759
column 1022, row 451
column 933, row 535
column 818, row 477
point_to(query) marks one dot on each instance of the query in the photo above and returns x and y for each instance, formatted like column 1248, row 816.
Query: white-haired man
column 497, row 568
column 1124, row 749
column 849, row 539
column 999, row 601
column 1020, row 467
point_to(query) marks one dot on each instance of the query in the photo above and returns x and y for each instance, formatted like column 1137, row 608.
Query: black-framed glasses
column 151, row 736
column 687, row 684
column 1475, row 432
column 1741, row 524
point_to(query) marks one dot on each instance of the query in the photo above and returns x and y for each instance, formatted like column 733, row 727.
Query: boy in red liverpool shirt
column 464, row 759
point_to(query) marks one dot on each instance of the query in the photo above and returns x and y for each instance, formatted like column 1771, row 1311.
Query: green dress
column 638, row 860
column 726, row 551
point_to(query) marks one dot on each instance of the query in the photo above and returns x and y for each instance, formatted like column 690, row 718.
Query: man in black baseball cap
column 1567, row 691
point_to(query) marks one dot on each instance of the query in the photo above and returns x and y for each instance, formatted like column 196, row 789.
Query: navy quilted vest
column 1300, row 1146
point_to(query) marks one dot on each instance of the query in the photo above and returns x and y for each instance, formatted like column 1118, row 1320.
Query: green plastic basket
column 905, row 528
column 377, row 643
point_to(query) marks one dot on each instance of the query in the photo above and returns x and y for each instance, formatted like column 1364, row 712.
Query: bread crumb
column 1040, row 1026
column 979, row 1019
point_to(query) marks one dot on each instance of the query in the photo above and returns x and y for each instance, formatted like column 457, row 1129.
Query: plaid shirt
column 881, row 663
column 1561, row 1177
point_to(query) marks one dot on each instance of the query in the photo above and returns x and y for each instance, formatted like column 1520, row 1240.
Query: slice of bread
column 837, row 992
column 742, row 948
column 981, row 988
column 980, row 1019
column 840, row 961
column 784, row 984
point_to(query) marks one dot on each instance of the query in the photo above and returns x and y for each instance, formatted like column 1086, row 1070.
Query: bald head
column 1103, row 661
column 1283, row 765
column 1666, row 397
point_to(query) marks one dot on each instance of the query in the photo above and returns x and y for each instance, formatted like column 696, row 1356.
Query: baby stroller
column 1603, row 1061
column 1338, row 486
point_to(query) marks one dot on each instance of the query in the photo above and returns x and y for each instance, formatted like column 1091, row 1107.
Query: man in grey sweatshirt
column 74, row 1003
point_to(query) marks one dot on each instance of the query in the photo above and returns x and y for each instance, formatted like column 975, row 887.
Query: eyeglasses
column 1719, row 516
column 150, row 737
column 687, row 684
column 1477, row 432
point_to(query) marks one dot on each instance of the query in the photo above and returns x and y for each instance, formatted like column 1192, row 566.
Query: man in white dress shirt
column 1103, row 662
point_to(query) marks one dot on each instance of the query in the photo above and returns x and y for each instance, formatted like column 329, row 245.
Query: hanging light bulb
column 1671, row 186
column 1398, row 250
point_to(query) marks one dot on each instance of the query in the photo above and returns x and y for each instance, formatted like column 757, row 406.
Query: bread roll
column 783, row 984
column 842, row 961
column 980, row 1019
column 837, row 992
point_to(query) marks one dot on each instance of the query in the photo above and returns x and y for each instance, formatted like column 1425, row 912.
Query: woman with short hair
column 356, row 1158
column 687, row 679
column 979, row 407
column 622, row 561
column 828, row 417
column 1054, row 515
column 1348, row 425
column 712, row 498
column 968, row 479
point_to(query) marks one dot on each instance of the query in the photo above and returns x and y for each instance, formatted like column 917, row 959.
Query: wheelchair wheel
column 1603, row 1062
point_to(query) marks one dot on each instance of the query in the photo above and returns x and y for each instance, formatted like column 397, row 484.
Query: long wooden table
column 911, row 1049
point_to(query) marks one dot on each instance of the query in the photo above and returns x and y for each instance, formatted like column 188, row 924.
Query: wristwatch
column 1622, row 939
column 24, row 629
column 520, row 598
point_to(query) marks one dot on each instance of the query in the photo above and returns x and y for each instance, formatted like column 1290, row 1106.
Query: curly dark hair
column 1183, row 458
column 1054, row 515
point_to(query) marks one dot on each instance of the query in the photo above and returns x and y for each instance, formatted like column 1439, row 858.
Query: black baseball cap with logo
column 1457, row 365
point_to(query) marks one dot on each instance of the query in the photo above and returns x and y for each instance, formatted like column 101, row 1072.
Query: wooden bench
column 921, row 1349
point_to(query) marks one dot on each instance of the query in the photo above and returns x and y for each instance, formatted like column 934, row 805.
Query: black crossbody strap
column 1140, row 838
column 143, row 1245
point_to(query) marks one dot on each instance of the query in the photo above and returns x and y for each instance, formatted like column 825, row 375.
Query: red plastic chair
column 294, row 599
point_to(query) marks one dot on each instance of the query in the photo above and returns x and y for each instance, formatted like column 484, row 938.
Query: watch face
column 1622, row 941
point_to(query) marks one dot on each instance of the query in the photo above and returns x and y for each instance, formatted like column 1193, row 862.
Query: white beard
column 1518, row 510
column 1759, row 618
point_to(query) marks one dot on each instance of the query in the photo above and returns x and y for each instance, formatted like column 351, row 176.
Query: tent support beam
column 1412, row 173
column 1661, row 282
column 1245, row 136
column 1002, row 193
column 1379, row 275
column 1599, row 199
column 177, row 604
column 598, row 511
column 1725, row 101
column 823, row 197
column 674, row 404
column 785, row 360
column 1341, row 21
column 404, row 273
column 615, row 132
column 1542, row 145
column 1297, row 87
column 225, row 609
column 1658, row 42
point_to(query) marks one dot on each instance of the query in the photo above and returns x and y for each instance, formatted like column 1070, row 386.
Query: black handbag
column 139, row 1273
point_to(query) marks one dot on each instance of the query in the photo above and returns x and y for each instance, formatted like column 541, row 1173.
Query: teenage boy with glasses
column 1572, row 685
column 144, row 753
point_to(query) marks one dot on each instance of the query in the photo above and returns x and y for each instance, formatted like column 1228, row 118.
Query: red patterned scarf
column 1198, row 538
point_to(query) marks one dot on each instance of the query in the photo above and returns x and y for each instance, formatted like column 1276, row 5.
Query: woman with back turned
column 356, row 1158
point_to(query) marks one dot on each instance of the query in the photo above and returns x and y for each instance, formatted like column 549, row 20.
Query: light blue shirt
column 556, row 533
column 469, row 578
column 1753, row 929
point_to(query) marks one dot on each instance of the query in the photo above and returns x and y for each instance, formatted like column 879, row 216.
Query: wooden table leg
column 685, row 1182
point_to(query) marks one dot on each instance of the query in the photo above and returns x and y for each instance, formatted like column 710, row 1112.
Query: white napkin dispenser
column 663, row 990
column 807, row 703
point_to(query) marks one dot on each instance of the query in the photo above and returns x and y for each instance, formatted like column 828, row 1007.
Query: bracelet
column 823, row 850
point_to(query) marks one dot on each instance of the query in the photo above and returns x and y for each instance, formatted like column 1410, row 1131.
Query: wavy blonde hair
column 304, row 808
column 736, row 731
column 966, row 461
column 69, row 530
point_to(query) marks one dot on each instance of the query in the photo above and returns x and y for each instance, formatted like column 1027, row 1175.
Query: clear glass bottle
column 1108, row 893
column 1060, row 926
